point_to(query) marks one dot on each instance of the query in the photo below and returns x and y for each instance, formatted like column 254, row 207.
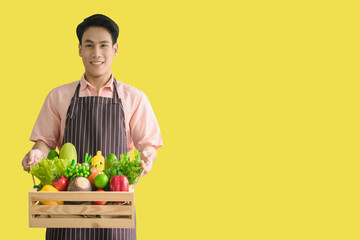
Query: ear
column 79, row 50
column 115, row 48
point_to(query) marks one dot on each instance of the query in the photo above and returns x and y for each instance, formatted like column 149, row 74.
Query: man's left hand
column 148, row 156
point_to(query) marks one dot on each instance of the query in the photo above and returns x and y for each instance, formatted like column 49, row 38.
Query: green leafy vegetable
column 127, row 167
column 46, row 169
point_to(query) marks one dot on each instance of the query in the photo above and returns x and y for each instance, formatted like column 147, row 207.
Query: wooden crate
column 82, row 216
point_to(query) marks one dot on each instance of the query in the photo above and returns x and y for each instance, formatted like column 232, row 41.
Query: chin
column 97, row 74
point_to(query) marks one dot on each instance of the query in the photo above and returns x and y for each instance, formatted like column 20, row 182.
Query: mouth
column 96, row 62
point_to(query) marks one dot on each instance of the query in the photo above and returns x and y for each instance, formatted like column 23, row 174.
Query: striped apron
column 92, row 124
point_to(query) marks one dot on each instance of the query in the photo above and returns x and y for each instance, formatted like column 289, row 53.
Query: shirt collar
column 84, row 84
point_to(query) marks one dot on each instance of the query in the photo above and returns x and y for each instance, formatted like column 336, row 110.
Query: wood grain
column 82, row 216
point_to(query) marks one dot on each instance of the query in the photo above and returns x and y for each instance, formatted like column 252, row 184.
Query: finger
column 143, row 165
column 31, row 157
column 25, row 160
column 25, row 166
column 35, row 162
column 37, row 157
column 145, row 168
column 148, row 152
column 146, row 160
column 146, row 164
column 24, row 163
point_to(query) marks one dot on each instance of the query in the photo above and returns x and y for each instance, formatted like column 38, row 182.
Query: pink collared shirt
column 142, row 128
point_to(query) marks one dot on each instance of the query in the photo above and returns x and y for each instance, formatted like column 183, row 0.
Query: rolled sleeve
column 144, row 127
column 47, row 125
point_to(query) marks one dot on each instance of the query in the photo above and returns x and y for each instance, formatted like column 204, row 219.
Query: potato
column 80, row 184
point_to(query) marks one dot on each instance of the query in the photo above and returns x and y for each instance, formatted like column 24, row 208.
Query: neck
column 98, row 82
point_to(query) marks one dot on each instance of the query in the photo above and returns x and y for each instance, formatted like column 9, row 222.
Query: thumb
column 147, row 152
column 34, row 156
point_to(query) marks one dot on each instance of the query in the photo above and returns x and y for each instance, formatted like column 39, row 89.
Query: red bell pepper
column 119, row 183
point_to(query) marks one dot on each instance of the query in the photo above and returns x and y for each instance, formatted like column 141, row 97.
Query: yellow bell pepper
column 98, row 161
column 49, row 188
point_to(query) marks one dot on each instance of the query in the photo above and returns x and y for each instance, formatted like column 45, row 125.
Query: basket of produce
column 98, row 193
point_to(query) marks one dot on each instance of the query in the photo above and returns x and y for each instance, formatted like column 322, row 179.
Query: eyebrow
column 88, row 40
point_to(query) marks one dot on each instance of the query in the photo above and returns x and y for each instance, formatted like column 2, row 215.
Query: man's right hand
column 31, row 159
column 39, row 151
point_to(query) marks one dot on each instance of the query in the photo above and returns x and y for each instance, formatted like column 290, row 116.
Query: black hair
column 98, row 20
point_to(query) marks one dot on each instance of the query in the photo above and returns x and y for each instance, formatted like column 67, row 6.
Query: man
column 96, row 113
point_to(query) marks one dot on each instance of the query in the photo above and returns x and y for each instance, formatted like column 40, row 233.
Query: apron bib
column 93, row 124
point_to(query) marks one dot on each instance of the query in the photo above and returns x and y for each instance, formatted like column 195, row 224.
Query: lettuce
column 127, row 167
column 45, row 170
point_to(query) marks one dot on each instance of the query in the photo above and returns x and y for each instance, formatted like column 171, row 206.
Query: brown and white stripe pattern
column 92, row 124
column 91, row 233
column 96, row 123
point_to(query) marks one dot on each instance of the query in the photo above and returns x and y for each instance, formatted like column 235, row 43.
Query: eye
column 88, row 45
column 104, row 45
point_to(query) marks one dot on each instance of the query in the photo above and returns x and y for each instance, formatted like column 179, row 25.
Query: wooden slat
column 81, row 196
column 81, row 223
column 31, row 204
column 82, row 209
column 70, row 216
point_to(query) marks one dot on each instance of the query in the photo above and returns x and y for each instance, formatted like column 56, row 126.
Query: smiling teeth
column 96, row 62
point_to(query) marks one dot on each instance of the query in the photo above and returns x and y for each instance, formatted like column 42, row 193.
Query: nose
column 96, row 52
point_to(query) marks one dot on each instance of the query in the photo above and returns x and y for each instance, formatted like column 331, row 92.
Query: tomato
column 101, row 181
column 61, row 183
column 100, row 202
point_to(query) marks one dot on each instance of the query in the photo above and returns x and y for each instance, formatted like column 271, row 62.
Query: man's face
column 97, row 52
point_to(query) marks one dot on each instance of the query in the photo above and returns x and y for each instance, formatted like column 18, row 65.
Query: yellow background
column 257, row 101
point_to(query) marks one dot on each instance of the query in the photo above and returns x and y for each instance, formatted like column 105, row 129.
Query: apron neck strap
column 73, row 102
column 116, row 99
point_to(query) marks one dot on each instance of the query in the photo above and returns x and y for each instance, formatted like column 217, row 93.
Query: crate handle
column 33, row 179
column 142, row 173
